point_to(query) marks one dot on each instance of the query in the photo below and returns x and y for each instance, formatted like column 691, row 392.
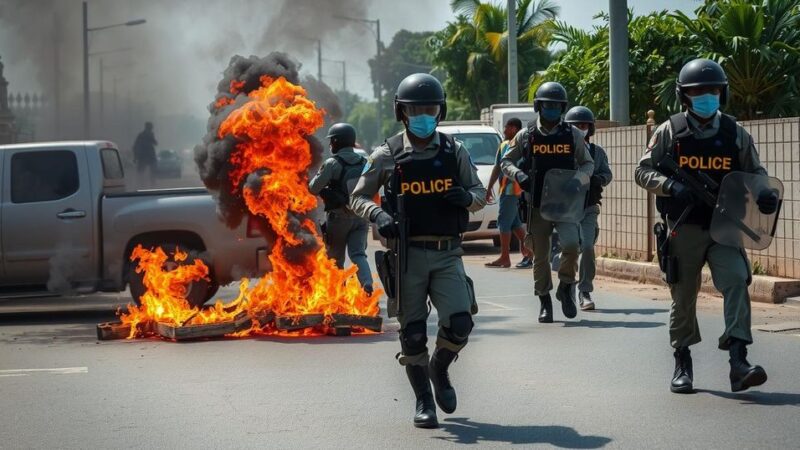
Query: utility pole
column 319, row 60
column 618, row 61
column 513, row 85
column 56, row 77
column 86, row 108
column 102, row 101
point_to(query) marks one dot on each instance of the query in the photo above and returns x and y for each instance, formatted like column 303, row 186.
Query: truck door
column 46, row 216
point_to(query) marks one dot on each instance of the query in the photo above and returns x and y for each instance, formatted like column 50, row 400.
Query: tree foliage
column 472, row 51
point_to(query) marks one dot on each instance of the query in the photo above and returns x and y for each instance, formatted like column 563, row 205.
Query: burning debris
column 255, row 158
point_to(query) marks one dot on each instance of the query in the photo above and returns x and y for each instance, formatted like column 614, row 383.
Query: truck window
column 43, row 176
column 112, row 166
column 482, row 147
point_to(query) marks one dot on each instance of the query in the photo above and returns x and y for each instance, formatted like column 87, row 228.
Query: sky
column 179, row 54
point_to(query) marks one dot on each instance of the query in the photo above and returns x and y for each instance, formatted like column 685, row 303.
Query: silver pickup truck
column 68, row 226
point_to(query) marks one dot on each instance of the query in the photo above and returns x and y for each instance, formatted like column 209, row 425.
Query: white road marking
column 505, row 296
column 55, row 371
column 497, row 305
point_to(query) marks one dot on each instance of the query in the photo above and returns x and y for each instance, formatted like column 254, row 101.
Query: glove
column 681, row 192
column 767, row 201
column 573, row 186
column 386, row 226
column 524, row 181
column 458, row 196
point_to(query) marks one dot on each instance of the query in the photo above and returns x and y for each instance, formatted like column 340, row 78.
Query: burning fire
column 270, row 130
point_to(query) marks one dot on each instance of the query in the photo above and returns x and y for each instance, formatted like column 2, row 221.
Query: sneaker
column 586, row 301
column 526, row 263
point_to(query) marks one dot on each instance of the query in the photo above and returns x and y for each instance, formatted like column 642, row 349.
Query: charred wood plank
column 108, row 331
column 206, row 330
column 293, row 323
column 372, row 323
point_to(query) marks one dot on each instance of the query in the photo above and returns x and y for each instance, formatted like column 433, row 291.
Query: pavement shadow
column 758, row 397
column 466, row 431
column 642, row 311
column 611, row 324
column 53, row 335
column 56, row 316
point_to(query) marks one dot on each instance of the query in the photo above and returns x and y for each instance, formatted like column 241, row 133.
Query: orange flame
column 271, row 130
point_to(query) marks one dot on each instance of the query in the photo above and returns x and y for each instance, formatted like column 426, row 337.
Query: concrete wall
column 626, row 223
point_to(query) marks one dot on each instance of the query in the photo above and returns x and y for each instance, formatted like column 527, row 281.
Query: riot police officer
column 440, row 186
column 549, row 143
column 702, row 131
column 582, row 118
column 334, row 181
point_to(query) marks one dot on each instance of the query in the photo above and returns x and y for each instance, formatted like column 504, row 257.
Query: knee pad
column 460, row 327
column 414, row 338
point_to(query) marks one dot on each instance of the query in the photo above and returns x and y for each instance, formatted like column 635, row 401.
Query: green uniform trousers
column 589, row 232
column 539, row 238
column 730, row 273
column 440, row 275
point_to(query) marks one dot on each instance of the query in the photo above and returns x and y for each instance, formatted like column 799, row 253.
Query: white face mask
column 583, row 132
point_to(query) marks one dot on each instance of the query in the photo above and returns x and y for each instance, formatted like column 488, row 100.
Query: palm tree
column 758, row 45
column 487, row 27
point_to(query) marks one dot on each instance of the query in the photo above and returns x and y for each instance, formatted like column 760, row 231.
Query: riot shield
column 557, row 204
column 737, row 220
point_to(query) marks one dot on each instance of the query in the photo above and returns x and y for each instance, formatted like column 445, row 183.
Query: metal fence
column 627, row 215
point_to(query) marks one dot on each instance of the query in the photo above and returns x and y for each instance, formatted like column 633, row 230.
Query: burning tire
column 197, row 293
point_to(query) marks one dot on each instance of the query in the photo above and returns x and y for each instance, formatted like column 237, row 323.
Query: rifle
column 393, row 264
column 704, row 188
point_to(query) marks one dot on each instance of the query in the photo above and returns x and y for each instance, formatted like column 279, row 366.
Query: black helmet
column 701, row 72
column 580, row 114
column 420, row 89
column 342, row 134
column 550, row 92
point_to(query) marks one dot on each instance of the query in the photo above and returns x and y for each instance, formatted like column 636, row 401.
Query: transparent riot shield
column 559, row 205
column 737, row 220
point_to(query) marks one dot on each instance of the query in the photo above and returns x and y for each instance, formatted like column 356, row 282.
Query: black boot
column 546, row 313
column 566, row 295
column 425, row 417
column 743, row 375
column 683, row 377
column 445, row 394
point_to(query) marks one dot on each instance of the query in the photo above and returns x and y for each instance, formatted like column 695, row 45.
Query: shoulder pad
column 447, row 143
column 680, row 125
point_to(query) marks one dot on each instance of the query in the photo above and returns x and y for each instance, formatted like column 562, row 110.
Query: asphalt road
column 598, row 380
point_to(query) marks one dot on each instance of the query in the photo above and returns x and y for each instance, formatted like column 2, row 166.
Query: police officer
column 538, row 148
column 582, row 118
column 440, row 187
column 704, row 132
column 333, row 182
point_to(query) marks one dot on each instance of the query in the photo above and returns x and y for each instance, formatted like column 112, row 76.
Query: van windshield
column 482, row 147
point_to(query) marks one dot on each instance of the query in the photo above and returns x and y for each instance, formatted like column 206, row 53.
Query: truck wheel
column 198, row 292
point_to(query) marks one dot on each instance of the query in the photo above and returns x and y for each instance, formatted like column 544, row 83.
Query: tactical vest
column 337, row 193
column 716, row 156
column 554, row 151
column 595, row 190
column 424, row 182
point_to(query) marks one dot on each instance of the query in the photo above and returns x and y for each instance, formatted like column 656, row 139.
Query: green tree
column 473, row 50
column 364, row 116
column 758, row 45
column 657, row 49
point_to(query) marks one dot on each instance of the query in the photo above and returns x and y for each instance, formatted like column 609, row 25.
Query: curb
column 763, row 289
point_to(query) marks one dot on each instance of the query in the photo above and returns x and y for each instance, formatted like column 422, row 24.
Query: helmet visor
column 416, row 110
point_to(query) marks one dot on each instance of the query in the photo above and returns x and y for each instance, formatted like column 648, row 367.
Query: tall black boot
column 566, row 295
column 683, row 377
column 425, row 416
column 445, row 393
column 743, row 375
column 546, row 313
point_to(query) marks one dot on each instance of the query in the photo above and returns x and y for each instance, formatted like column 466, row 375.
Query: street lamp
column 378, row 88
column 86, row 31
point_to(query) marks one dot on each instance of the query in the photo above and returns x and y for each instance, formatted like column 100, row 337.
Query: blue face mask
column 422, row 125
column 705, row 105
column 551, row 114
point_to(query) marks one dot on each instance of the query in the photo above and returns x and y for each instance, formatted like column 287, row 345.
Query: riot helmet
column 420, row 90
column 550, row 92
column 581, row 114
column 341, row 135
column 701, row 72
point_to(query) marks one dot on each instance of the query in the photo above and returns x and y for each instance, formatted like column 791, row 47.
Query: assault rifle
column 393, row 264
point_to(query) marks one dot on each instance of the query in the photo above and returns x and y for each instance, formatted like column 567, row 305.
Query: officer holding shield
column 439, row 186
column 545, row 145
column 702, row 141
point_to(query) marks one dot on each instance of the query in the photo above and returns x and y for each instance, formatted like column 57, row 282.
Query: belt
column 447, row 244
